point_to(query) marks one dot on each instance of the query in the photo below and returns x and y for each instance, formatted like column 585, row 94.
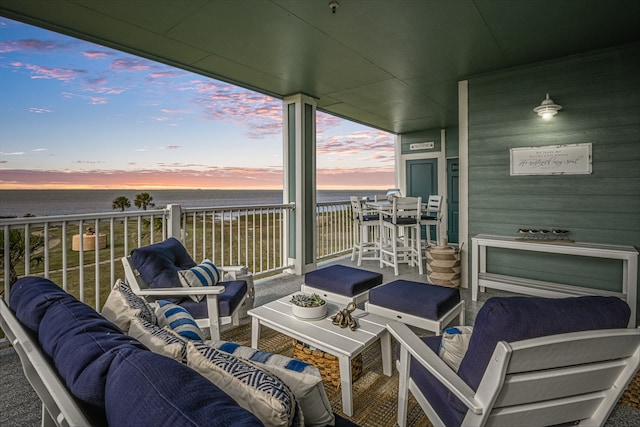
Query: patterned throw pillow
column 178, row 319
column 303, row 379
column 122, row 305
column 253, row 388
column 159, row 340
column 204, row 274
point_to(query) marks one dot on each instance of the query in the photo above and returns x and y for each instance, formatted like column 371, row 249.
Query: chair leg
column 395, row 249
column 214, row 319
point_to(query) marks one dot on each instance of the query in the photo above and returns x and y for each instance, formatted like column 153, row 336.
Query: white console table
column 481, row 279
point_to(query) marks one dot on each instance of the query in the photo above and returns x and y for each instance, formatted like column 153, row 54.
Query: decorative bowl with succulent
column 308, row 307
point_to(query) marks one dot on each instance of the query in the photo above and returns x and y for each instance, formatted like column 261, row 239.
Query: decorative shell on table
column 308, row 307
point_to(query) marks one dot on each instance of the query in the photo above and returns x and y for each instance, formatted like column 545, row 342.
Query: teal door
column 422, row 181
column 453, row 199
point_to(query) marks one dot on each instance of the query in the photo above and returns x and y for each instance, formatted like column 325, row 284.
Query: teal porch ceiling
column 391, row 64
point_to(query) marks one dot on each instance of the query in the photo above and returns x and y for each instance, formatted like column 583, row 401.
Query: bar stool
column 432, row 216
column 366, row 232
column 400, row 234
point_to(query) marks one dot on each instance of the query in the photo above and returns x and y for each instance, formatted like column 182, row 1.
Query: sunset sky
column 78, row 115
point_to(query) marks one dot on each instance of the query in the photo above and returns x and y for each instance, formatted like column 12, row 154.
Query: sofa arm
column 412, row 346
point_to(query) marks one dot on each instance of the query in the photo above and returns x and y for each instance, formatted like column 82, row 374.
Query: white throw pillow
column 454, row 345
column 123, row 304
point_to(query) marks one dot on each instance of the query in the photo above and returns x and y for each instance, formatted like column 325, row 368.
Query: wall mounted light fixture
column 547, row 109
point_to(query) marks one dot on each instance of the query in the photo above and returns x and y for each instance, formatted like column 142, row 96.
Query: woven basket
column 443, row 266
column 326, row 363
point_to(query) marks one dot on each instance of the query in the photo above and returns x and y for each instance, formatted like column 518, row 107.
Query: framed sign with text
column 571, row 159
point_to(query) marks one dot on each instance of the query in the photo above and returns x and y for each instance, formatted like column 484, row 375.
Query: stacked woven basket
column 326, row 363
column 443, row 265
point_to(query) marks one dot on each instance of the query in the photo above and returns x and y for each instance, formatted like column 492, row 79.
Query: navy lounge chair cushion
column 416, row 298
column 228, row 301
column 159, row 263
column 343, row 280
column 513, row 319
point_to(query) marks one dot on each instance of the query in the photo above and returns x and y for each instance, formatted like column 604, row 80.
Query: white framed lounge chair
column 221, row 304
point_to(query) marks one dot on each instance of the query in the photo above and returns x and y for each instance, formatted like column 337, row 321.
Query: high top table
column 481, row 279
column 343, row 343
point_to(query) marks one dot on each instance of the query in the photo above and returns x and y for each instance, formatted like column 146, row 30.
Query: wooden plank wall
column 600, row 97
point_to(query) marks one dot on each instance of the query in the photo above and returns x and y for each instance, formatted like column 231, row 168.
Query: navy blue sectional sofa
column 112, row 378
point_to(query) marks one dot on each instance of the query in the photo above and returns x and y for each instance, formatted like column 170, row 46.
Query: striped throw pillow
column 178, row 319
column 204, row 274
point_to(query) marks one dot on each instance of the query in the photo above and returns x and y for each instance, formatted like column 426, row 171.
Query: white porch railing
column 63, row 249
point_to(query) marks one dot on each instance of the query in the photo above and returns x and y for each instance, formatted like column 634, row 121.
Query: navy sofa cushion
column 159, row 263
column 419, row 299
column 99, row 364
column 513, row 319
column 343, row 280
column 228, row 301
column 31, row 297
column 82, row 345
column 147, row 389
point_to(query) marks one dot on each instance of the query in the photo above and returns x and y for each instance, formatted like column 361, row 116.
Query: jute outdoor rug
column 375, row 396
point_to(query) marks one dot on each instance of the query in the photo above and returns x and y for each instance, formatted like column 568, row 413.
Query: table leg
column 255, row 332
column 346, row 385
column 387, row 355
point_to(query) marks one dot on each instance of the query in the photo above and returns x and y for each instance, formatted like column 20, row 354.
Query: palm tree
column 144, row 200
column 121, row 203
column 17, row 251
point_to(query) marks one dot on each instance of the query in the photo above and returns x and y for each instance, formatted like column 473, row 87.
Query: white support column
column 299, row 115
column 463, row 127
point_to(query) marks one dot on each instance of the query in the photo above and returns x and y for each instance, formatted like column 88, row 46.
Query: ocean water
column 65, row 202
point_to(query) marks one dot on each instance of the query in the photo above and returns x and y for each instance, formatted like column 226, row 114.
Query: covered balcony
column 456, row 82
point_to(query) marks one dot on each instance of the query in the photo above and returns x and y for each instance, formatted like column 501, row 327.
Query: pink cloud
column 181, row 176
column 97, row 54
column 96, row 100
column 39, row 72
column 146, row 178
column 164, row 74
column 131, row 64
column 369, row 141
column 29, row 45
column 221, row 101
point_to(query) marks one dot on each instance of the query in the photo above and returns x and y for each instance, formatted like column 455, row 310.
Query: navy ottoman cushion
column 228, row 301
column 343, row 280
column 418, row 299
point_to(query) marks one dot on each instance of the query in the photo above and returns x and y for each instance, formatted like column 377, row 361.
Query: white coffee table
column 345, row 344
